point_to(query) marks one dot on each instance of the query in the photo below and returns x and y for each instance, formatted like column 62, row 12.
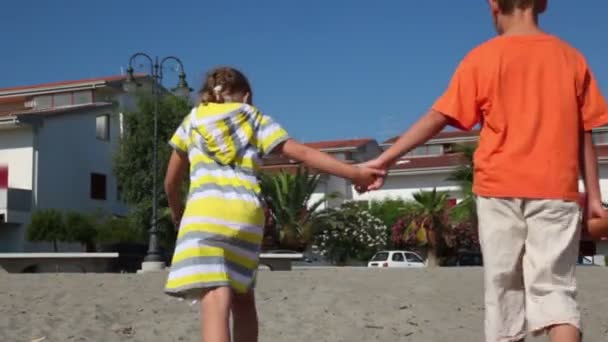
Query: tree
column 81, row 228
column 349, row 232
column 389, row 210
column 133, row 160
column 47, row 226
column 425, row 226
column 288, row 199
column 465, row 210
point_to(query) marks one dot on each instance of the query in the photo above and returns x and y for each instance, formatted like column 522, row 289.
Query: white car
column 396, row 259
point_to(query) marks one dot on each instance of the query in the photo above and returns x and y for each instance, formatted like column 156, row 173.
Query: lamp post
column 153, row 260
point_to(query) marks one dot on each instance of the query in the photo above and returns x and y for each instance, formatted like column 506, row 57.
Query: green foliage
column 81, row 228
column 47, row 226
column 119, row 230
column 349, row 233
column 466, row 209
column 390, row 209
column 287, row 197
column 425, row 225
column 133, row 161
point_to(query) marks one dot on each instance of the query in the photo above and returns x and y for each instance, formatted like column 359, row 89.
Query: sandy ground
column 302, row 305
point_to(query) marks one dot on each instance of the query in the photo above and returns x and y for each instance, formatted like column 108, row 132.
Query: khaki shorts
column 530, row 249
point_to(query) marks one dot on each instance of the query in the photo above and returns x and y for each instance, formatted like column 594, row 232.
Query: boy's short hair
column 508, row 6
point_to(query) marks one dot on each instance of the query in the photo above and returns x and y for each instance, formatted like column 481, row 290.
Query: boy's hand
column 378, row 181
column 595, row 209
column 367, row 176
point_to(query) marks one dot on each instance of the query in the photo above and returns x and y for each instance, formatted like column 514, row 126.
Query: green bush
column 81, row 228
column 119, row 230
column 389, row 210
column 349, row 233
column 47, row 226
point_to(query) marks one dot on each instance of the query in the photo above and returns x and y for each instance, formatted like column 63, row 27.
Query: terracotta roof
column 350, row 143
column 60, row 110
column 429, row 162
column 67, row 83
column 444, row 135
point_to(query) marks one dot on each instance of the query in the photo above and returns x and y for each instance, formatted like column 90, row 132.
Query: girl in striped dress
column 216, row 257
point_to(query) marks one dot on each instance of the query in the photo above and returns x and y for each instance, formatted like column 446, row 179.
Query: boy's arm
column 589, row 172
column 594, row 113
column 424, row 129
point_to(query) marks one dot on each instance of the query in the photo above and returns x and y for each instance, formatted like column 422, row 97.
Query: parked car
column 396, row 259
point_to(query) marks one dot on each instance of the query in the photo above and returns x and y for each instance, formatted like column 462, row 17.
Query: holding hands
column 373, row 174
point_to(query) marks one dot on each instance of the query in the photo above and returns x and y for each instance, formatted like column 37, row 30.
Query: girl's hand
column 379, row 180
column 367, row 177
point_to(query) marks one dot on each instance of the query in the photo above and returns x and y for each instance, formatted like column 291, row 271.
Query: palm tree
column 425, row 225
column 465, row 210
column 287, row 197
column 431, row 218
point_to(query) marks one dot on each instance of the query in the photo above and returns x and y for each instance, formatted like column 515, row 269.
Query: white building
column 57, row 141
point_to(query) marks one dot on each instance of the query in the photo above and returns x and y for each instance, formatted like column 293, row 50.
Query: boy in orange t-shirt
column 537, row 102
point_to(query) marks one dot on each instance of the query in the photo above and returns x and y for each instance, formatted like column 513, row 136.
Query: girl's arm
column 361, row 176
column 176, row 171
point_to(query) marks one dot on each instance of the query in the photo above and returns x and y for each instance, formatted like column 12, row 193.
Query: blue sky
column 325, row 69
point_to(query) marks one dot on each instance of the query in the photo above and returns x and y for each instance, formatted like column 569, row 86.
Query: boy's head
column 503, row 10
column 226, row 84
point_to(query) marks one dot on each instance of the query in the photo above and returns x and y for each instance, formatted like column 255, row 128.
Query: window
column 83, row 97
column 398, row 257
column 43, row 102
column 102, row 127
column 412, row 258
column 119, row 193
column 98, row 186
column 426, row 150
column 600, row 138
column 62, row 100
column 382, row 256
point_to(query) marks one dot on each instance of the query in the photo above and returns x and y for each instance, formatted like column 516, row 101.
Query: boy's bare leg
column 245, row 318
column 215, row 315
column 564, row 333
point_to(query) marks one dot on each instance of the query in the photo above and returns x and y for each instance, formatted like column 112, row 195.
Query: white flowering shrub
column 350, row 232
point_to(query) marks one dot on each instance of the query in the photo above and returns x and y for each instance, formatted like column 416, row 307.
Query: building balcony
column 13, row 203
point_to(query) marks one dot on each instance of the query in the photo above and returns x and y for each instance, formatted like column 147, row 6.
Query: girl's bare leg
column 245, row 317
column 215, row 315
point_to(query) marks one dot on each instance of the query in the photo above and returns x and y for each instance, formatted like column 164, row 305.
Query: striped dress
column 221, row 231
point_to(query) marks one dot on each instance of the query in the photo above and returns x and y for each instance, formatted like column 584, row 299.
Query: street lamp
column 153, row 260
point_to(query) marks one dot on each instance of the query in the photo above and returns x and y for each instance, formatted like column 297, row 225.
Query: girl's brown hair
column 223, row 80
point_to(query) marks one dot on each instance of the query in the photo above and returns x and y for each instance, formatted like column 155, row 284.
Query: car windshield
column 382, row 256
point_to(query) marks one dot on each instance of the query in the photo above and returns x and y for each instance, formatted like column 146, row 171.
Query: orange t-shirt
column 533, row 95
